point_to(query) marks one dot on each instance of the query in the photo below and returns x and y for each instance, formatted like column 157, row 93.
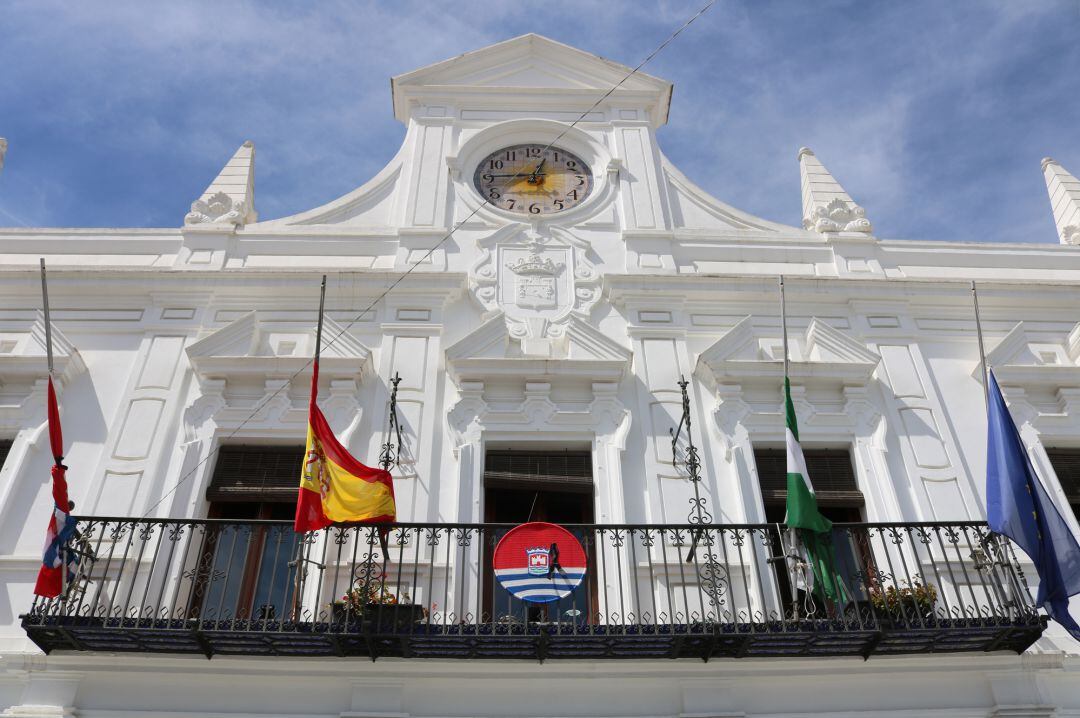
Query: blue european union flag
column 1018, row 506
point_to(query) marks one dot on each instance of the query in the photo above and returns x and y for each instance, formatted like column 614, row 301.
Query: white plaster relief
column 537, row 278
column 826, row 206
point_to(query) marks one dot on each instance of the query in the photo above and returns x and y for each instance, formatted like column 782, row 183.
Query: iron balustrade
column 428, row 590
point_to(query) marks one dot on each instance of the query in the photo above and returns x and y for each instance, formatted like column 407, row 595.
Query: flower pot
column 907, row 612
column 380, row 616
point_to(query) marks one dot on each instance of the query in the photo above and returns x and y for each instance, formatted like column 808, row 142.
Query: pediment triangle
column 826, row 343
column 1013, row 349
column 62, row 346
column 584, row 341
column 28, row 357
column 1030, row 357
column 339, row 342
column 752, row 352
column 530, row 61
column 488, row 341
column 1019, row 347
column 531, row 73
column 235, row 339
column 739, row 343
column 250, row 336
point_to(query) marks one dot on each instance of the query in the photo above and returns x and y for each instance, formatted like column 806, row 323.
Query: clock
column 533, row 179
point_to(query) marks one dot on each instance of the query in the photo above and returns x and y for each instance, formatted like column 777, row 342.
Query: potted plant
column 911, row 603
column 374, row 601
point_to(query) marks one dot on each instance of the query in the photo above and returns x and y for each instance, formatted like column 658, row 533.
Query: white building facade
column 540, row 324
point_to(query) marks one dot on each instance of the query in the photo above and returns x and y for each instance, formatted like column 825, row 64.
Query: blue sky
column 934, row 114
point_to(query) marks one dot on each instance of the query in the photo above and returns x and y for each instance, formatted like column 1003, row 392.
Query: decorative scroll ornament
column 390, row 454
column 217, row 208
column 1071, row 234
column 711, row 575
column 838, row 216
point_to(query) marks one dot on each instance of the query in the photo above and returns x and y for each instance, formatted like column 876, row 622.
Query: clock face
column 531, row 180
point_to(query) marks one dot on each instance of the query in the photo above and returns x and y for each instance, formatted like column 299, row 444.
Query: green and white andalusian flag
column 802, row 511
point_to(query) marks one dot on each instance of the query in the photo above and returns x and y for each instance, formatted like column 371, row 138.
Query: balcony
column 428, row 591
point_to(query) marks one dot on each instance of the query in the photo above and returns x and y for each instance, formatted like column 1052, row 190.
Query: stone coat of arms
column 535, row 279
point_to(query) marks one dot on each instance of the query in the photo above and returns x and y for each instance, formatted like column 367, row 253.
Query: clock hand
column 535, row 172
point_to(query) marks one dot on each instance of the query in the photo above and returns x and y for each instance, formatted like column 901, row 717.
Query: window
column 544, row 470
column 1066, row 463
column 5, row 448
column 256, row 474
column 831, row 473
column 839, row 499
column 528, row 485
column 253, row 571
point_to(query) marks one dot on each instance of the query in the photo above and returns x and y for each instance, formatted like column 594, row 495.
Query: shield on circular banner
column 539, row 562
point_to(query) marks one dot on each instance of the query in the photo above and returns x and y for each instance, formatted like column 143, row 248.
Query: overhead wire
column 427, row 255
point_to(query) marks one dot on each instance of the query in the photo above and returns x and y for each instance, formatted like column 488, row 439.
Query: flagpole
column 794, row 548
column 318, row 331
column 52, row 441
column 48, row 322
column 783, row 324
column 982, row 348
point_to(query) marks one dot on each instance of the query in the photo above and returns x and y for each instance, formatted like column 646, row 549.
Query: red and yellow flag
column 335, row 487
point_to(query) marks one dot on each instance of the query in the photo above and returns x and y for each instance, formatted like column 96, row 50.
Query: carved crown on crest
column 535, row 264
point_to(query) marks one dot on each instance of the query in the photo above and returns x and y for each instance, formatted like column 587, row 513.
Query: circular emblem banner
column 539, row 562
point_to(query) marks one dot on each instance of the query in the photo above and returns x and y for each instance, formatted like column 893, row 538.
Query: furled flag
column 335, row 487
column 802, row 510
column 1018, row 506
column 50, row 580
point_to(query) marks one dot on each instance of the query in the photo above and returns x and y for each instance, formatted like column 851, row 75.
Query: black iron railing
column 428, row 590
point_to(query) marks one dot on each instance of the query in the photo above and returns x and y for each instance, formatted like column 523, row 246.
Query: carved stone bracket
column 471, row 415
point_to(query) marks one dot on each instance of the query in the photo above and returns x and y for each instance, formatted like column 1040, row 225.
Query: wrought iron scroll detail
column 390, row 455
column 711, row 574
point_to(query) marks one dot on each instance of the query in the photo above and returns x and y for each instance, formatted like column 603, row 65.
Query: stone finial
column 230, row 198
column 3, row 151
column 1064, row 191
column 826, row 206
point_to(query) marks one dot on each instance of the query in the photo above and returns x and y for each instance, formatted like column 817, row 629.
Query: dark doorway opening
column 839, row 499
column 552, row 486
column 248, row 571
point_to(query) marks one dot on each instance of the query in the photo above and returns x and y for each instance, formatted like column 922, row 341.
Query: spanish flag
column 335, row 487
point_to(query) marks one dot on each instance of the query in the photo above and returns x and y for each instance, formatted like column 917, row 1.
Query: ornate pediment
column 529, row 64
column 250, row 346
column 752, row 351
column 1024, row 358
column 23, row 354
column 24, row 370
column 581, row 351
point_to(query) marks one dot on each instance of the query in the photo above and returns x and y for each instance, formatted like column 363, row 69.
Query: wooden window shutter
column 1066, row 463
column 256, row 473
column 536, row 469
column 831, row 473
